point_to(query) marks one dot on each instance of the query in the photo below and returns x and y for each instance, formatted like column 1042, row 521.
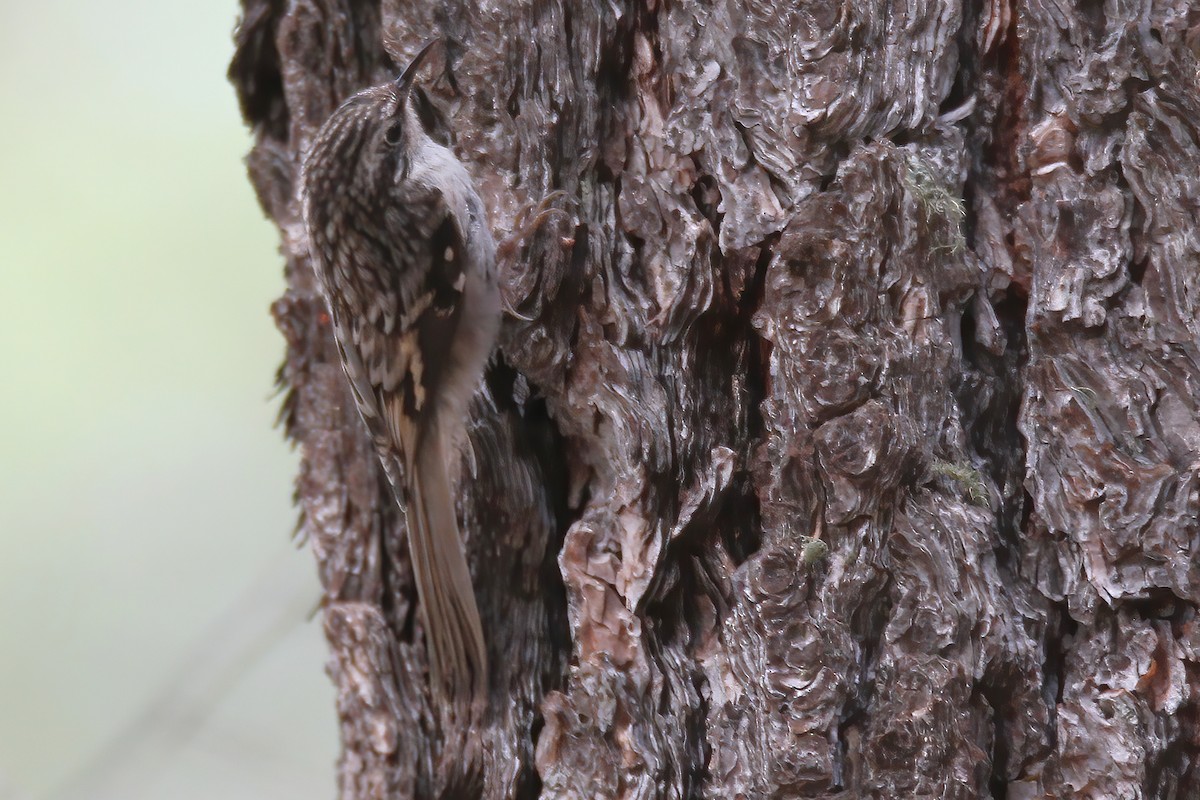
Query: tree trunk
column 844, row 442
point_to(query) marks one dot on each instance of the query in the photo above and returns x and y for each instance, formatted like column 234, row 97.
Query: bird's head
column 370, row 138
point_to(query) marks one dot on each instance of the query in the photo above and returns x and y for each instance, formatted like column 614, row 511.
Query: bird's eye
column 392, row 134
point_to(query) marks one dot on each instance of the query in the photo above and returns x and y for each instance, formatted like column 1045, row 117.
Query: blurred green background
column 153, row 631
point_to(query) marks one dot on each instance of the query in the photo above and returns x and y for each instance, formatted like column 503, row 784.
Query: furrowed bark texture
column 847, row 442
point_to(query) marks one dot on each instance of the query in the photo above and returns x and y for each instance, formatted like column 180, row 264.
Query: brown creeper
column 402, row 250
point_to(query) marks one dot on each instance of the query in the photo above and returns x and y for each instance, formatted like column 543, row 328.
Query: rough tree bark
column 851, row 445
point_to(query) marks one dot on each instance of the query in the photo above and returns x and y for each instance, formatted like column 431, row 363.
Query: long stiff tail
column 454, row 633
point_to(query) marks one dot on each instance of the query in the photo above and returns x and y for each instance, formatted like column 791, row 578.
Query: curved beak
column 404, row 82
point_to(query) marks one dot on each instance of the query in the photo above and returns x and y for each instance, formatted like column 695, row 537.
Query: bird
column 405, row 259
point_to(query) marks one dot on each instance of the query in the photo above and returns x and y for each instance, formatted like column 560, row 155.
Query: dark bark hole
column 1065, row 235
column 996, row 694
column 513, row 105
column 745, row 532
column 1137, row 270
column 706, row 194
column 1026, row 514
column 1060, row 636
column 840, row 151
column 547, row 447
column 1093, row 16
column 1159, row 602
column 1011, row 310
column 969, row 222
column 967, row 331
column 1015, row 507
column 530, row 782
column 613, row 67
column 989, row 393
column 758, row 361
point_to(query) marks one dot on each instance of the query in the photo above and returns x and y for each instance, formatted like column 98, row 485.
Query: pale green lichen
column 813, row 551
column 968, row 477
column 944, row 211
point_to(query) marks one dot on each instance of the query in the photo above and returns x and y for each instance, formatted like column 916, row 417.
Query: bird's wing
column 395, row 347
column 398, row 321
